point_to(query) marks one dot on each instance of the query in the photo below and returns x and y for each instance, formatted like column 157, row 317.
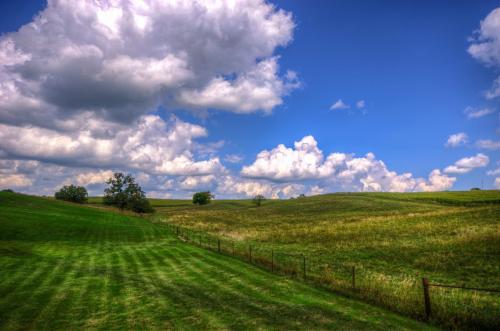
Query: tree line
column 124, row 192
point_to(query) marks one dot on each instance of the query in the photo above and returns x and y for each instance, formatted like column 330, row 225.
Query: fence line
column 303, row 267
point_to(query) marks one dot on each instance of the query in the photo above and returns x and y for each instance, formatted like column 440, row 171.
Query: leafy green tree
column 124, row 193
column 202, row 198
column 72, row 193
column 139, row 204
column 258, row 199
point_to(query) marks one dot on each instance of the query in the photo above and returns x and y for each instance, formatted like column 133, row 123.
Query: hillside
column 72, row 267
column 393, row 240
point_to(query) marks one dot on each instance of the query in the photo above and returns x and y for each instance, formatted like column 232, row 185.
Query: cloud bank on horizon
column 89, row 87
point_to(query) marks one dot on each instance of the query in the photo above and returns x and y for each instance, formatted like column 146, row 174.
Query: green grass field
column 65, row 266
column 392, row 239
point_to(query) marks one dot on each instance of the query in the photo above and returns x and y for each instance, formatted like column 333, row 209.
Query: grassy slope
column 448, row 236
column 65, row 267
column 392, row 239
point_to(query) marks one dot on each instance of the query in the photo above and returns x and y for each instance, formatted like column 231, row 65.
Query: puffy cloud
column 316, row 190
column 79, row 84
column 231, row 185
column 32, row 176
column 486, row 47
column 477, row 113
column 457, row 139
column 241, row 187
column 14, row 180
column 197, row 182
column 306, row 171
column 488, row 144
column 209, row 149
column 9, row 167
column 497, row 183
column 120, row 59
column 150, row 144
column 259, row 88
column 468, row 164
column 305, row 162
column 91, row 178
column 486, row 44
column 436, row 182
column 339, row 104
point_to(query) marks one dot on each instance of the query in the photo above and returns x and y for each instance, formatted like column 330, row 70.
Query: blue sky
column 407, row 60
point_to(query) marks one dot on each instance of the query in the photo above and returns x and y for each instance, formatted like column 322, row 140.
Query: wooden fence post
column 304, row 266
column 427, row 298
column 353, row 277
column 233, row 248
column 177, row 230
column 250, row 253
column 272, row 260
column 218, row 245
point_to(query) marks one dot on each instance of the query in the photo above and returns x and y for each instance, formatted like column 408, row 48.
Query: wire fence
column 451, row 306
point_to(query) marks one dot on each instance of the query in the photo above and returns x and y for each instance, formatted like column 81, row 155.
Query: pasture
column 392, row 239
column 65, row 266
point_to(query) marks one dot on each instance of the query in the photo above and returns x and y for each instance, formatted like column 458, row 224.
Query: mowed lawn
column 64, row 266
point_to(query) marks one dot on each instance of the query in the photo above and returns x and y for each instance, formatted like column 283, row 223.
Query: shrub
column 139, row 205
column 202, row 198
column 8, row 190
column 72, row 193
column 124, row 193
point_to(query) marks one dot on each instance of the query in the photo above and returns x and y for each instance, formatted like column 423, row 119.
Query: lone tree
column 257, row 200
column 124, row 193
column 72, row 193
column 202, row 198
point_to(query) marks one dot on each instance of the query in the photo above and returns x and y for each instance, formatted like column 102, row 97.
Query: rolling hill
column 392, row 239
column 65, row 266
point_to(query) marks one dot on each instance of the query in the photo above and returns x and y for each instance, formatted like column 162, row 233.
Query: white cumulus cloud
column 121, row 59
column 457, row 139
column 14, row 180
column 339, row 104
column 90, row 178
column 485, row 47
column 150, row 144
column 486, row 44
column 468, row 164
column 306, row 162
